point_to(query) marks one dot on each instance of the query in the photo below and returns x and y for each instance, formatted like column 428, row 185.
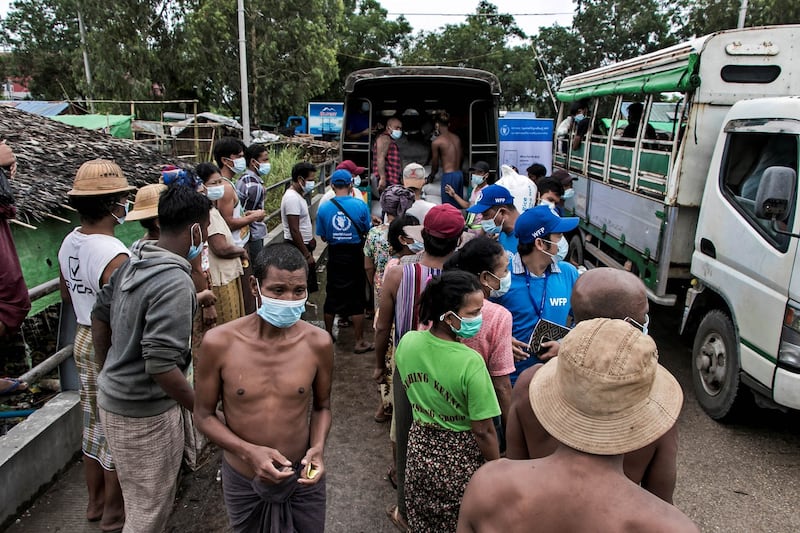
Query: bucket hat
column 146, row 204
column 98, row 177
column 605, row 393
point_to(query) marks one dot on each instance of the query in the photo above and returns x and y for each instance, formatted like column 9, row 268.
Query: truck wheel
column 575, row 253
column 715, row 368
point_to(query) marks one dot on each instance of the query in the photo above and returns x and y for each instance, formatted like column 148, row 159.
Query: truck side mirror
column 775, row 193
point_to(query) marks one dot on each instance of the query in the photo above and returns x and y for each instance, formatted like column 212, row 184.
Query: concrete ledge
column 33, row 452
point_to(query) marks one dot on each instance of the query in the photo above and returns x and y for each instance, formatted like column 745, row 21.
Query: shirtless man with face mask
column 268, row 367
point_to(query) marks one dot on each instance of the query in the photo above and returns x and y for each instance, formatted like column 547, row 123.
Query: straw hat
column 146, row 204
column 605, row 393
column 99, row 177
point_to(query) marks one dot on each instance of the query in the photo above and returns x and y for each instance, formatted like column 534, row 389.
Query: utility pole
column 243, row 75
column 82, row 31
column 742, row 13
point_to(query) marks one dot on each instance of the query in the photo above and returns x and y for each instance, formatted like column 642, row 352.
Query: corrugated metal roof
column 38, row 107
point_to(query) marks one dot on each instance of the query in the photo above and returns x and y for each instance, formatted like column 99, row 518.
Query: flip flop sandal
column 394, row 515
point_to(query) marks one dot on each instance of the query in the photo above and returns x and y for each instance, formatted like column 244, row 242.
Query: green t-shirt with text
column 447, row 383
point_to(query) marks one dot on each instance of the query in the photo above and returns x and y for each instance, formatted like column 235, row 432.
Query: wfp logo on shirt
column 558, row 302
column 340, row 222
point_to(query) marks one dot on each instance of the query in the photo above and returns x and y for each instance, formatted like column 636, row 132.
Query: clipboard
column 545, row 331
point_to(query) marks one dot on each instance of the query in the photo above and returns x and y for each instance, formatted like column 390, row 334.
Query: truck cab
column 745, row 298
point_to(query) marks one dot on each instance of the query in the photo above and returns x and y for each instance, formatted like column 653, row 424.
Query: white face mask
column 563, row 249
column 569, row 193
column 548, row 203
column 216, row 192
column 505, row 284
column 396, row 134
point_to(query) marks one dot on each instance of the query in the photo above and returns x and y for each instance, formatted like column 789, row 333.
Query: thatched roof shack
column 49, row 154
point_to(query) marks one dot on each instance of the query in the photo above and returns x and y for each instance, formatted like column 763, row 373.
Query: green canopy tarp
column 117, row 125
column 681, row 79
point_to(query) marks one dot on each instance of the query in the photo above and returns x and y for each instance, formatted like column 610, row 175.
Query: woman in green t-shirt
column 452, row 400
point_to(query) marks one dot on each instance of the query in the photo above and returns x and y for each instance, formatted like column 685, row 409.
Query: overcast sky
column 536, row 12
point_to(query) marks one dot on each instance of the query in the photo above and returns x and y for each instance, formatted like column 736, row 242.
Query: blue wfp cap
column 491, row 196
column 540, row 221
column 341, row 177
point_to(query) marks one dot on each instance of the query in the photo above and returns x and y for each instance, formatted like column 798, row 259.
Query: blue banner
column 325, row 118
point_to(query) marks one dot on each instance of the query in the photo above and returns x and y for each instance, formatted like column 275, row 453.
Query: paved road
column 739, row 477
column 743, row 477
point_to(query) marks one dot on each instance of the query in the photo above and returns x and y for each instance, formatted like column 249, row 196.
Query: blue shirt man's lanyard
column 540, row 309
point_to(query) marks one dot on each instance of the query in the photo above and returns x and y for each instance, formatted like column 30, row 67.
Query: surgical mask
column 644, row 327
column 469, row 326
column 264, row 168
column 216, row 192
column 489, row 226
column 579, row 117
column 416, row 247
column 396, row 134
column 239, row 165
column 121, row 220
column 281, row 313
column 548, row 203
column 364, row 107
column 554, row 256
column 309, row 186
column 194, row 249
column 475, row 180
column 357, row 181
column 569, row 193
column 563, row 249
column 505, row 284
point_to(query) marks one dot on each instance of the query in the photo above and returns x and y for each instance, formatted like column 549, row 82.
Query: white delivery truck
column 687, row 176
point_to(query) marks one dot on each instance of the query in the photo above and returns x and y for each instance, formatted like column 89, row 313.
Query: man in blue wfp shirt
column 342, row 223
column 541, row 285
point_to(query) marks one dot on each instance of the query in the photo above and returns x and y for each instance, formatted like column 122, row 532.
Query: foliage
column 368, row 39
column 707, row 16
column 291, row 52
column 281, row 160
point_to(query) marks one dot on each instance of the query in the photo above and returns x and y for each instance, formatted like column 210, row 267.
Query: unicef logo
column 505, row 130
column 341, row 222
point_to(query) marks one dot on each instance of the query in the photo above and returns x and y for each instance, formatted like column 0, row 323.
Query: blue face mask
column 281, row 313
column 489, row 226
column 563, row 249
column 569, row 193
column 357, row 181
column 469, row 326
column 216, row 192
column 194, row 249
column 309, row 186
column 416, row 247
column 239, row 165
column 264, row 168
column 396, row 134
column 475, row 180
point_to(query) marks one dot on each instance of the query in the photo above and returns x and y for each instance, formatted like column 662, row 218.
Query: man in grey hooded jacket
column 141, row 329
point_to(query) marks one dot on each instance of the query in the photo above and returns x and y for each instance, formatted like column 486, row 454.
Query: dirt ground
column 357, row 456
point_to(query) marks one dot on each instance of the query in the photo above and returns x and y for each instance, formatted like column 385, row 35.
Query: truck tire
column 716, row 367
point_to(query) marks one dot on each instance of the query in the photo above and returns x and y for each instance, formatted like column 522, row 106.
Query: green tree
column 707, row 16
column 45, row 48
column 615, row 30
column 291, row 51
column 488, row 40
column 367, row 39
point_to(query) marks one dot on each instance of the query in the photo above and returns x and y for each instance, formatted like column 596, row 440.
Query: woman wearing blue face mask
column 452, row 398
column 224, row 257
column 486, row 258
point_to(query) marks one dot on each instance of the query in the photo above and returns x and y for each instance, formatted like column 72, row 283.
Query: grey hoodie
column 149, row 302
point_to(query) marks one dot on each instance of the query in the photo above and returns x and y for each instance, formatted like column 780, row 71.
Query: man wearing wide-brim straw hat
column 87, row 258
column 603, row 396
